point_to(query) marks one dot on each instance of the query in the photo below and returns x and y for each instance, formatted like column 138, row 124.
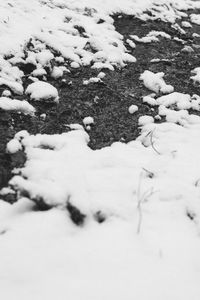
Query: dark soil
column 106, row 102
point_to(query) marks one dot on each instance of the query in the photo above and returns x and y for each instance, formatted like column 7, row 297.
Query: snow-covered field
column 124, row 221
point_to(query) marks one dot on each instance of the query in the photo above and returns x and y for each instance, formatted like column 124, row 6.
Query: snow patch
column 88, row 121
column 41, row 90
column 13, row 146
column 16, row 105
column 144, row 120
column 132, row 109
column 196, row 77
column 195, row 18
column 152, row 36
column 155, row 82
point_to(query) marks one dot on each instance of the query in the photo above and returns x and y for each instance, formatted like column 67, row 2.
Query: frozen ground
column 97, row 219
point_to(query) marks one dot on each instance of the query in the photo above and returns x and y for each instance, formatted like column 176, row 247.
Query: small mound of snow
column 196, row 35
column 186, row 24
column 196, row 77
column 15, row 87
column 101, row 75
column 75, row 126
column 150, row 100
column 152, row 36
column 132, row 109
column 41, row 90
column 187, row 49
column 39, row 72
column 182, row 101
column 16, row 105
column 131, row 43
column 181, row 117
column 145, row 39
column 195, row 102
column 13, row 146
column 75, row 65
column 155, row 82
column 144, row 120
column 6, row 93
column 88, row 121
column 44, row 57
column 195, row 18
column 57, row 72
column 92, row 80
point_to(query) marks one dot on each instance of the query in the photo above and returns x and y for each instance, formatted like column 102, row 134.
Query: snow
column 43, row 116
column 145, row 39
column 196, row 77
column 161, row 257
column 75, row 65
column 41, row 90
column 196, row 35
column 39, row 72
column 181, row 100
column 75, row 126
column 107, row 258
column 6, row 93
column 178, row 28
column 105, row 44
column 139, row 238
column 195, row 18
column 131, row 43
column 16, row 105
column 150, row 100
column 187, row 49
column 181, row 117
column 101, row 75
column 143, row 120
column 92, row 80
column 57, row 72
column 152, row 36
column 179, row 40
column 175, row 107
column 16, row 87
column 44, row 57
column 13, row 146
column 132, row 109
column 155, row 82
column 88, row 121
column 186, row 24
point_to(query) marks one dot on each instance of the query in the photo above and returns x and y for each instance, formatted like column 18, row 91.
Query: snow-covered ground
column 136, row 206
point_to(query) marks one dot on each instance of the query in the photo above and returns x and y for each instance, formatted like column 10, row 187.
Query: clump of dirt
column 107, row 101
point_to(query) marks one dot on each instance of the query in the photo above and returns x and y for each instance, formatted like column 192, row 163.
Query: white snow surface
column 16, row 105
column 186, row 24
column 133, row 108
column 88, row 120
column 13, row 146
column 41, row 90
column 155, row 82
column 148, row 244
column 195, row 18
column 152, row 36
column 196, row 77
column 144, row 120
column 147, row 191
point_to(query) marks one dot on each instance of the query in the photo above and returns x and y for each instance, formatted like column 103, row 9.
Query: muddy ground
column 106, row 102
